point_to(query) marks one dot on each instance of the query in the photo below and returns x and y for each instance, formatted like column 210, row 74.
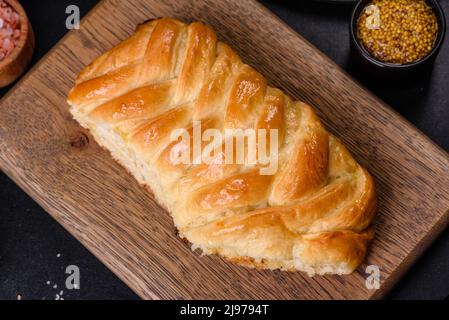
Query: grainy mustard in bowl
column 396, row 38
column 398, row 31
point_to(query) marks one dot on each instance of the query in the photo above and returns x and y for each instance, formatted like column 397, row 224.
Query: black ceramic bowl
column 378, row 68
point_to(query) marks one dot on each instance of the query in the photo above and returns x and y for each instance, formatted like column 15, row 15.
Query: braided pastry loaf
column 314, row 214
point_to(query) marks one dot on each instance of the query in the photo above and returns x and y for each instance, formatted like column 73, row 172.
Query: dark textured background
column 30, row 240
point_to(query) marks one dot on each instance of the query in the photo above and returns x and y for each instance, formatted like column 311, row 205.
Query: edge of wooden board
column 413, row 256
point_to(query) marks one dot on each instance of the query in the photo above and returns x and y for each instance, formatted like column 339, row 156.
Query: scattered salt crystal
column 55, row 286
column 9, row 29
column 19, row 297
column 57, row 297
column 48, row 283
column 6, row 43
column 58, row 255
column 61, row 292
column 8, row 13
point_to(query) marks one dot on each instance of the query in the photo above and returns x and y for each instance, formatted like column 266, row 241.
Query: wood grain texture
column 56, row 162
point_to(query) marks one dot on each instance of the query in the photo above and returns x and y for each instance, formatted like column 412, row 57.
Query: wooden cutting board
column 58, row 164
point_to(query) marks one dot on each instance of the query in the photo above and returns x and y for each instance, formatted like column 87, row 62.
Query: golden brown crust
column 313, row 214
